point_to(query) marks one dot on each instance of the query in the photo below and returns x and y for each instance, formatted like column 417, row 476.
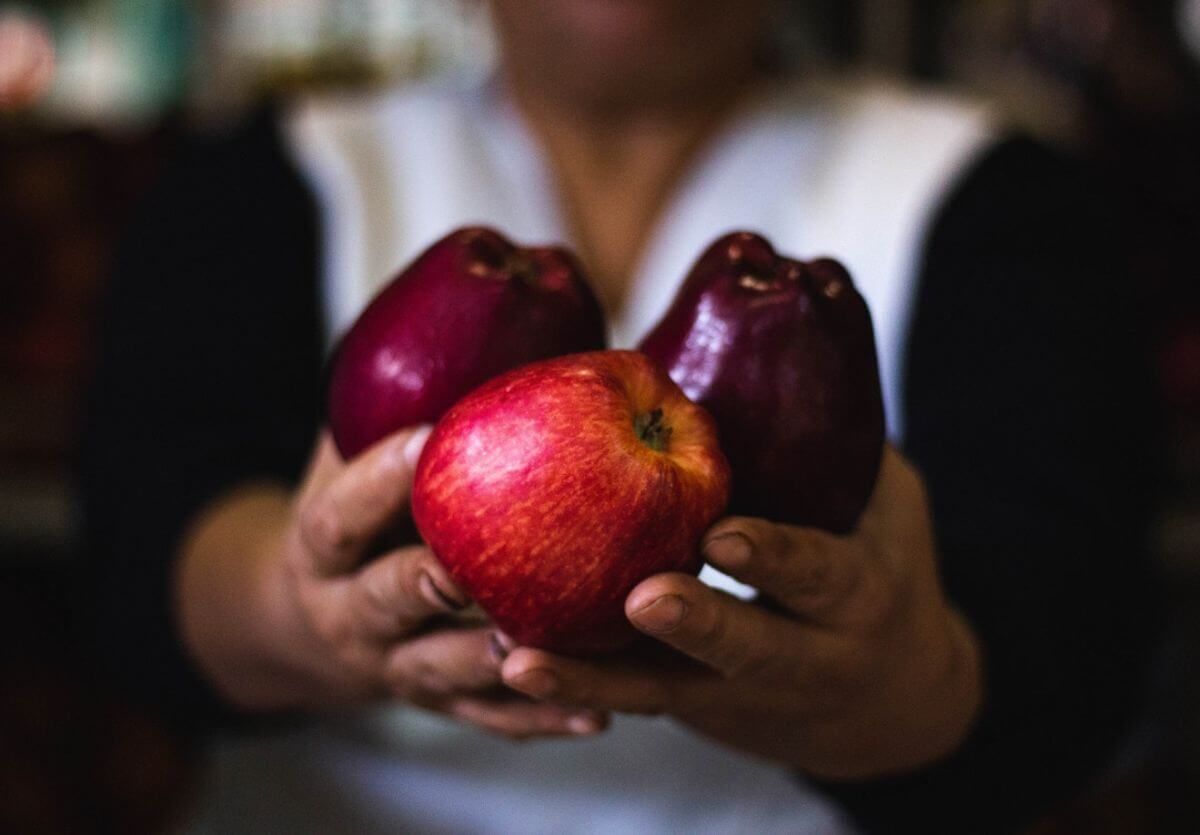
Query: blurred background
column 95, row 95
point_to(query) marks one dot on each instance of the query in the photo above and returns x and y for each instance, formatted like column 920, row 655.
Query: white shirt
column 851, row 171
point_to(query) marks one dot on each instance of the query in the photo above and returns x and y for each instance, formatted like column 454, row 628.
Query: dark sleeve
column 207, row 376
column 1028, row 410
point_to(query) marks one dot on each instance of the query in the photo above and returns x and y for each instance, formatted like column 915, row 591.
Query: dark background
column 1110, row 79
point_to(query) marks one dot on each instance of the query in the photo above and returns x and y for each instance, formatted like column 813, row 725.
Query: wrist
column 943, row 697
column 229, row 599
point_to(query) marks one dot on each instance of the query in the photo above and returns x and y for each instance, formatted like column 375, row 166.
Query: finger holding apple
column 851, row 663
column 331, row 623
column 342, row 621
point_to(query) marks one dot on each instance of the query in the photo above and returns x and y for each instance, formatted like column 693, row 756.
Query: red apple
column 553, row 490
column 470, row 307
column 782, row 354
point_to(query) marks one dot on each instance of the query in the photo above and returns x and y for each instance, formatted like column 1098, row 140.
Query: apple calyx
column 496, row 258
column 652, row 430
column 523, row 268
column 763, row 270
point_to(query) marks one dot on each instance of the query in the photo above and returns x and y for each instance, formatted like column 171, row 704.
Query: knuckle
column 383, row 587
column 724, row 653
column 429, row 677
column 322, row 526
column 714, row 631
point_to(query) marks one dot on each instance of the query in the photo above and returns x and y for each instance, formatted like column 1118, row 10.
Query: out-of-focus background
column 96, row 94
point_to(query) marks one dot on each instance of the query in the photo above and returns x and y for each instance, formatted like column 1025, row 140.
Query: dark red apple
column 782, row 354
column 470, row 307
column 554, row 489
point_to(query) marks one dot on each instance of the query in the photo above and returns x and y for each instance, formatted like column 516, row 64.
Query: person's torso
column 853, row 172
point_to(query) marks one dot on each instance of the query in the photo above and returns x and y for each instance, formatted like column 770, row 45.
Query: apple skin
column 782, row 355
column 539, row 494
column 470, row 307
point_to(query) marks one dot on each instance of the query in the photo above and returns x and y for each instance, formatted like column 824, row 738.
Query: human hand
column 851, row 664
column 327, row 621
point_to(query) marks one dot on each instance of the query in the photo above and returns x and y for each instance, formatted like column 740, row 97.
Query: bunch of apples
column 559, row 474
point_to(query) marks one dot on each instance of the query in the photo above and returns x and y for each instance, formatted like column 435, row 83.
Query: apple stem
column 652, row 430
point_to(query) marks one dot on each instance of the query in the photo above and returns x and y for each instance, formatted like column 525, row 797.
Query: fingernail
column 537, row 683
column 496, row 647
column 583, row 725
column 437, row 597
column 662, row 614
column 416, row 443
column 728, row 549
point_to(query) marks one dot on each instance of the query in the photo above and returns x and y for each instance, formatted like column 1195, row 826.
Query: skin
column 850, row 665
column 623, row 95
column 859, row 667
column 854, row 665
column 279, row 609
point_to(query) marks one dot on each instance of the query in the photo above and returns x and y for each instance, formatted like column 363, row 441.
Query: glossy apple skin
column 538, row 495
column 470, row 307
column 782, row 354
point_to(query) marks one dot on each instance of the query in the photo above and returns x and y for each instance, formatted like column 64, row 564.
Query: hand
column 323, row 621
column 851, row 664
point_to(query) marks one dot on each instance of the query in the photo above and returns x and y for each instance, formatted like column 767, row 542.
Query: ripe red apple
column 782, row 354
column 470, row 307
column 554, row 489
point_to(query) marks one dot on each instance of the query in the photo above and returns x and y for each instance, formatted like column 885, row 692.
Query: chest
column 855, row 176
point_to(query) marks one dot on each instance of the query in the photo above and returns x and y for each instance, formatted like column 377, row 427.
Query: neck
column 616, row 167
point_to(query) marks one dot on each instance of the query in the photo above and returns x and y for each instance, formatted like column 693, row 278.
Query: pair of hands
column 850, row 664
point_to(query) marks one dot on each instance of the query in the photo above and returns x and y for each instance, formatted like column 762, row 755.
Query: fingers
column 454, row 672
column 808, row 571
column 342, row 512
column 595, row 685
column 442, row 663
column 519, row 719
column 399, row 590
column 733, row 637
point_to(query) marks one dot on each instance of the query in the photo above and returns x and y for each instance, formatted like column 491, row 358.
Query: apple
column 782, row 354
column 470, row 307
column 552, row 490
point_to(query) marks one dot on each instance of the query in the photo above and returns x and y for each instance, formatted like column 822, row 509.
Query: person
column 970, row 655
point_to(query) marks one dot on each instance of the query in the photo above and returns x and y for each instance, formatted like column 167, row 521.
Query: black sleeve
column 208, row 375
column 1028, row 410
